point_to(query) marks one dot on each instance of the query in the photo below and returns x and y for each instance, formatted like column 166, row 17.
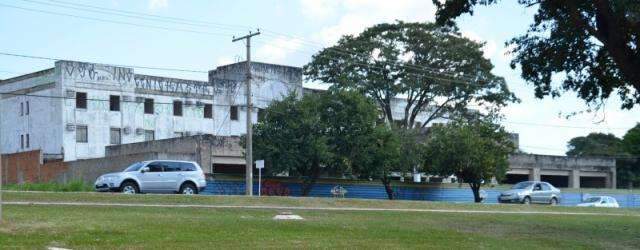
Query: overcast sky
column 292, row 31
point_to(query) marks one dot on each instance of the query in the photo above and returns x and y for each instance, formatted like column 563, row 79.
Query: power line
column 112, row 21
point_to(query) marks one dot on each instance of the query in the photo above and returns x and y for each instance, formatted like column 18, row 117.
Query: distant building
column 74, row 110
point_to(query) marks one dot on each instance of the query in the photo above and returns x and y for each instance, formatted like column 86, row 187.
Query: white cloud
column 278, row 49
column 356, row 15
column 318, row 9
column 158, row 4
column 490, row 46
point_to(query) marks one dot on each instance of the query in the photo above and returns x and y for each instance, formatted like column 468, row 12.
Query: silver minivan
column 527, row 192
column 159, row 176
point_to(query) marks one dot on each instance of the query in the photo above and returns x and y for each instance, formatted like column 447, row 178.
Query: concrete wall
column 89, row 170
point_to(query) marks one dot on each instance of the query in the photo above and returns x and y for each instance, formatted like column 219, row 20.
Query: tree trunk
column 475, row 187
column 310, row 180
column 387, row 187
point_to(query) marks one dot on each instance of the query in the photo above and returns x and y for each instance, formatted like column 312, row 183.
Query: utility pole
column 249, row 136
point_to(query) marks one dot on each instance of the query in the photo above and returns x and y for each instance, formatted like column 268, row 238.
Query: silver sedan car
column 528, row 192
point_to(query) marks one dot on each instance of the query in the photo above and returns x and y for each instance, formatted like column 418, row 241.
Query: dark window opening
column 114, row 103
column 177, row 108
column 27, row 108
column 149, row 135
column 27, row 142
column 81, row 100
column 233, row 113
column 21, row 141
column 115, row 136
column 261, row 114
column 21, row 109
column 148, row 106
column 208, row 111
column 82, row 134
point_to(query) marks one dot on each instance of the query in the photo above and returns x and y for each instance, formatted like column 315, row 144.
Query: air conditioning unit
column 70, row 94
column 70, row 127
column 139, row 131
column 188, row 103
column 127, row 130
column 139, row 99
column 127, row 98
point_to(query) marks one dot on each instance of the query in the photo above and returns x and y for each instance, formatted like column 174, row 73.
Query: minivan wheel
column 526, row 200
column 188, row 189
column 129, row 187
column 554, row 201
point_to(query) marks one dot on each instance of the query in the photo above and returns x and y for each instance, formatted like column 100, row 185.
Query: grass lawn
column 79, row 227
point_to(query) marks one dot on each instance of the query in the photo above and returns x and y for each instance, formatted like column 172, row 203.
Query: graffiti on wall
column 172, row 85
column 96, row 72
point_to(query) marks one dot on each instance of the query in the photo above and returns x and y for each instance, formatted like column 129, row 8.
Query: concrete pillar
column 534, row 175
column 574, row 178
column 614, row 178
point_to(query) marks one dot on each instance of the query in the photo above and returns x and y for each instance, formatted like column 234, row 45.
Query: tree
column 595, row 144
column 383, row 156
column 350, row 118
column 292, row 139
column 474, row 151
column 436, row 69
column 628, row 167
column 594, row 44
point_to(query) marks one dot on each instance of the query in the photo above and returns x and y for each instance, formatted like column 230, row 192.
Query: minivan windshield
column 522, row 185
column 134, row 167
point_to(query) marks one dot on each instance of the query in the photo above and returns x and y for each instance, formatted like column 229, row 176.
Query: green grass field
column 81, row 227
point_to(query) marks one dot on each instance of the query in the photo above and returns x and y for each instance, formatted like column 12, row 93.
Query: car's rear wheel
column 553, row 201
column 188, row 189
column 129, row 187
column 526, row 200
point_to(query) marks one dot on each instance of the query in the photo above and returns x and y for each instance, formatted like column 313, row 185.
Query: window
column 21, row 141
column 114, row 103
column 27, row 141
column 21, row 109
column 115, row 136
column 178, row 134
column 27, row 108
column 81, row 134
column 233, row 112
column 149, row 135
column 148, row 106
column 185, row 166
column 208, row 111
column 155, row 167
column 172, row 167
column 177, row 108
column 261, row 114
column 81, row 100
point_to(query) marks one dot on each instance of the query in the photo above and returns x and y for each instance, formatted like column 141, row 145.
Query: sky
column 292, row 31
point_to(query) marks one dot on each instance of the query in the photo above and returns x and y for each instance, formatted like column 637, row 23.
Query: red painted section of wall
column 27, row 167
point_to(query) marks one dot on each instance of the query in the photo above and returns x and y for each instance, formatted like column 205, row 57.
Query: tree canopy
column 595, row 144
column 475, row 151
column 593, row 44
column 435, row 69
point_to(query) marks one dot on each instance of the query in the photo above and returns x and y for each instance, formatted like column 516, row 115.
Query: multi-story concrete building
column 74, row 110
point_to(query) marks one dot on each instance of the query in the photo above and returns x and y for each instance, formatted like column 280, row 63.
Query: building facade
column 76, row 109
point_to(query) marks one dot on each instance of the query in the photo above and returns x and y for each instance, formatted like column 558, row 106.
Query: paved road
column 30, row 203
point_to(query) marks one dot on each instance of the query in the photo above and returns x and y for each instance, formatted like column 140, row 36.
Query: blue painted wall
column 219, row 187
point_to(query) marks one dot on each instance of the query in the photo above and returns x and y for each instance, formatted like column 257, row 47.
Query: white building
column 75, row 109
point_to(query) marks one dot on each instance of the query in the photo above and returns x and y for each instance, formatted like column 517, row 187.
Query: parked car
column 161, row 176
column 527, row 192
column 599, row 201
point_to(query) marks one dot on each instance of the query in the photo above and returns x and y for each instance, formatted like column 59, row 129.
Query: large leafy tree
column 437, row 70
column 292, row 139
column 594, row 44
column 383, row 157
column 595, row 144
column 628, row 167
column 474, row 151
